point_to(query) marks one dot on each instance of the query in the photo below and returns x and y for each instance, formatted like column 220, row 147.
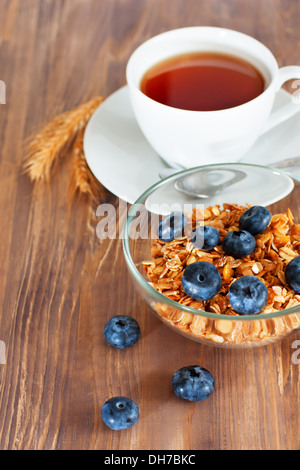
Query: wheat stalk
column 47, row 146
column 82, row 180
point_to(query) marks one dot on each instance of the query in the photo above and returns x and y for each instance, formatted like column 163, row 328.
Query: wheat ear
column 46, row 147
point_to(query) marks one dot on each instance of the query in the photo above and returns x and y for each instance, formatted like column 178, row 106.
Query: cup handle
column 287, row 111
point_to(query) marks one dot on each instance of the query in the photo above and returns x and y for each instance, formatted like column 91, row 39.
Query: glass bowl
column 223, row 192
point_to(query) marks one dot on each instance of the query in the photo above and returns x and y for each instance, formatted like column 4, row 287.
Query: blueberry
column 119, row 413
column 238, row 243
column 193, row 383
column 205, row 237
column 255, row 220
column 172, row 226
column 122, row 331
column 201, row 280
column 248, row 295
column 292, row 274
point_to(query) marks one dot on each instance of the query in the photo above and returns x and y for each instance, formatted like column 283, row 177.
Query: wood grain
column 59, row 284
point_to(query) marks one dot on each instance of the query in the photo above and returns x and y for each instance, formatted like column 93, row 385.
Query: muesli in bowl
column 222, row 273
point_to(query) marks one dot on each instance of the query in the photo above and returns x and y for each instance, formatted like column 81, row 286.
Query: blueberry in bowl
column 201, row 280
column 292, row 274
column 205, row 237
column 238, row 243
column 255, row 219
column 172, row 226
column 248, row 295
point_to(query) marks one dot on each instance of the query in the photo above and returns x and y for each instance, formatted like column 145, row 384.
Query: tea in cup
column 204, row 95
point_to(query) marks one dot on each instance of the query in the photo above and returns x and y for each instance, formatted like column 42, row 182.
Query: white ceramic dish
column 122, row 160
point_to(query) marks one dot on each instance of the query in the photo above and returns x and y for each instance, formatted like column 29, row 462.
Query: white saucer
column 122, row 160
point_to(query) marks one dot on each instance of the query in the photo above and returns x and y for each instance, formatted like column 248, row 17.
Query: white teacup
column 189, row 138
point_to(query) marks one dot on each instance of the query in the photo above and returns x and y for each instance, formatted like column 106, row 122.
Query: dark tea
column 203, row 81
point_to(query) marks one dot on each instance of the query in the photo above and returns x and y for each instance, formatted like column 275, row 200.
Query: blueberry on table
column 238, row 243
column 119, row 413
column 292, row 274
column 172, row 226
column 255, row 220
column 205, row 237
column 248, row 295
column 122, row 331
column 193, row 383
column 201, row 280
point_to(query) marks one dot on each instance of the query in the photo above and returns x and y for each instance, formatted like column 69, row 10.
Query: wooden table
column 59, row 284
